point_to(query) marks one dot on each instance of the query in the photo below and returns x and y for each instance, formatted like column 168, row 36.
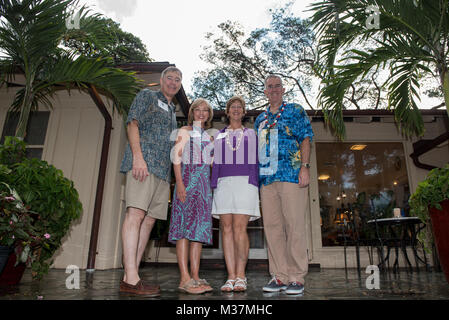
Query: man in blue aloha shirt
column 284, row 135
column 147, row 165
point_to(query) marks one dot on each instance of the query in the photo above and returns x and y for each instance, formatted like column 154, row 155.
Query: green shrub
column 429, row 193
column 45, row 191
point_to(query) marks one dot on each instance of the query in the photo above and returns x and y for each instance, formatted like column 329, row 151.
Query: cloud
column 119, row 8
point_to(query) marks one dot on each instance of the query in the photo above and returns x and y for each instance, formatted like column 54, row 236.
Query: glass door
column 351, row 176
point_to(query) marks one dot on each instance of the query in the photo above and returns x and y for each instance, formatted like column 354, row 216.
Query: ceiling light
column 358, row 147
column 324, row 177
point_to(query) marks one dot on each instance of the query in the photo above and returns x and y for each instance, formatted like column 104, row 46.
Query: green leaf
column 25, row 254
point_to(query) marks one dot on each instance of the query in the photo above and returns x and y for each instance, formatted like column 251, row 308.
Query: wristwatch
column 307, row 165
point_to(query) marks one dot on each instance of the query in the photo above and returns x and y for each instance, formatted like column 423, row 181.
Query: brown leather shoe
column 150, row 286
column 140, row 289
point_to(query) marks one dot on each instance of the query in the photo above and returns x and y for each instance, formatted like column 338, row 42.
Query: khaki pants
column 283, row 210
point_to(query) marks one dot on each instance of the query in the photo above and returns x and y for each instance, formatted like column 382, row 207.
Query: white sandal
column 240, row 284
column 229, row 284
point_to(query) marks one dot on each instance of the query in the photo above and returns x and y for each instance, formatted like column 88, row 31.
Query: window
column 36, row 131
column 256, row 234
column 372, row 176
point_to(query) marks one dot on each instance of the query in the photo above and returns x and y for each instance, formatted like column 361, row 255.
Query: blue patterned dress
column 192, row 219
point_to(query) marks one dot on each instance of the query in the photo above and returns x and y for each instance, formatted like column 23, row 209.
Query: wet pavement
column 321, row 284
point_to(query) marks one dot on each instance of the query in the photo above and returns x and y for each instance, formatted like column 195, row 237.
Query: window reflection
column 361, row 182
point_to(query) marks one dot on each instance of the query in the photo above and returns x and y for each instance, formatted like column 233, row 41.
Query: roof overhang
column 158, row 67
column 361, row 116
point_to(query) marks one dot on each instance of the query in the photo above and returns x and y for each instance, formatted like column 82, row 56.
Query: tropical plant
column 17, row 225
column 31, row 33
column 11, row 151
column 47, row 192
column 47, row 197
column 410, row 40
column 430, row 193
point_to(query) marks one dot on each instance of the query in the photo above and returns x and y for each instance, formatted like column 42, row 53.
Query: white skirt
column 235, row 195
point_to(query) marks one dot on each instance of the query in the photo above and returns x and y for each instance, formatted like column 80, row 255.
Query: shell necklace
column 269, row 125
column 239, row 141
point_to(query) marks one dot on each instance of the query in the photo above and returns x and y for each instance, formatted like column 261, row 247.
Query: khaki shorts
column 151, row 195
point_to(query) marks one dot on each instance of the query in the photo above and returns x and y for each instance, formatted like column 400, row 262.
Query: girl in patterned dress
column 191, row 220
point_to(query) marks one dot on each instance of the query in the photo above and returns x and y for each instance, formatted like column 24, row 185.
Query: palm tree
column 31, row 33
column 410, row 41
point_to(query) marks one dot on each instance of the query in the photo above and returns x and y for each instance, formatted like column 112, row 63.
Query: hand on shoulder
column 183, row 134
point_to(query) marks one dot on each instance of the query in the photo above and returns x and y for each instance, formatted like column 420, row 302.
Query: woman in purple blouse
column 235, row 180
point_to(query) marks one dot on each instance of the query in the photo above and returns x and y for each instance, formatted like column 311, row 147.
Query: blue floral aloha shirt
column 279, row 148
column 157, row 120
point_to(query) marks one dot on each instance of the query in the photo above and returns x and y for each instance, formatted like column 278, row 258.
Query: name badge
column 163, row 105
column 222, row 135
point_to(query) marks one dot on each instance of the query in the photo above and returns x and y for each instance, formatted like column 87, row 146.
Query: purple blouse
column 243, row 161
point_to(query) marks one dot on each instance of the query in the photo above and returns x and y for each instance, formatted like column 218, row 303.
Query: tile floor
column 321, row 284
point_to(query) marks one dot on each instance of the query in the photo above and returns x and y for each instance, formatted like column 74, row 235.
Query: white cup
column 397, row 212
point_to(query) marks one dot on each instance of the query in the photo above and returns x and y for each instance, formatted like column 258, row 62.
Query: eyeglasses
column 201, row 110
column 276, row 86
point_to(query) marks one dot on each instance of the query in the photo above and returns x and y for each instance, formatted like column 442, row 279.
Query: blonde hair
column 234, row 99
column 195, row 104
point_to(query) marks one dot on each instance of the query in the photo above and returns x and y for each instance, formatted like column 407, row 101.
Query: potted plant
column 18, row 236
column 48, row 198
column 430, row 203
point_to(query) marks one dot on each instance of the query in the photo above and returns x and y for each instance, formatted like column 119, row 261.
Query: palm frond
column 30, row 34
column 403, row 92
column 331, row 97
column 93, row 29
column 67, row 73
column 30, row 30
column 7, row 70
column 412, row 39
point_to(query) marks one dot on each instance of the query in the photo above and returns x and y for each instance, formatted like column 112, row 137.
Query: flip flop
column 203, row 283
column 191, row 287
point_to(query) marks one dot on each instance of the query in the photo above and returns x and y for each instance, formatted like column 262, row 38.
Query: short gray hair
column 270, row 76
column 171, row 69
